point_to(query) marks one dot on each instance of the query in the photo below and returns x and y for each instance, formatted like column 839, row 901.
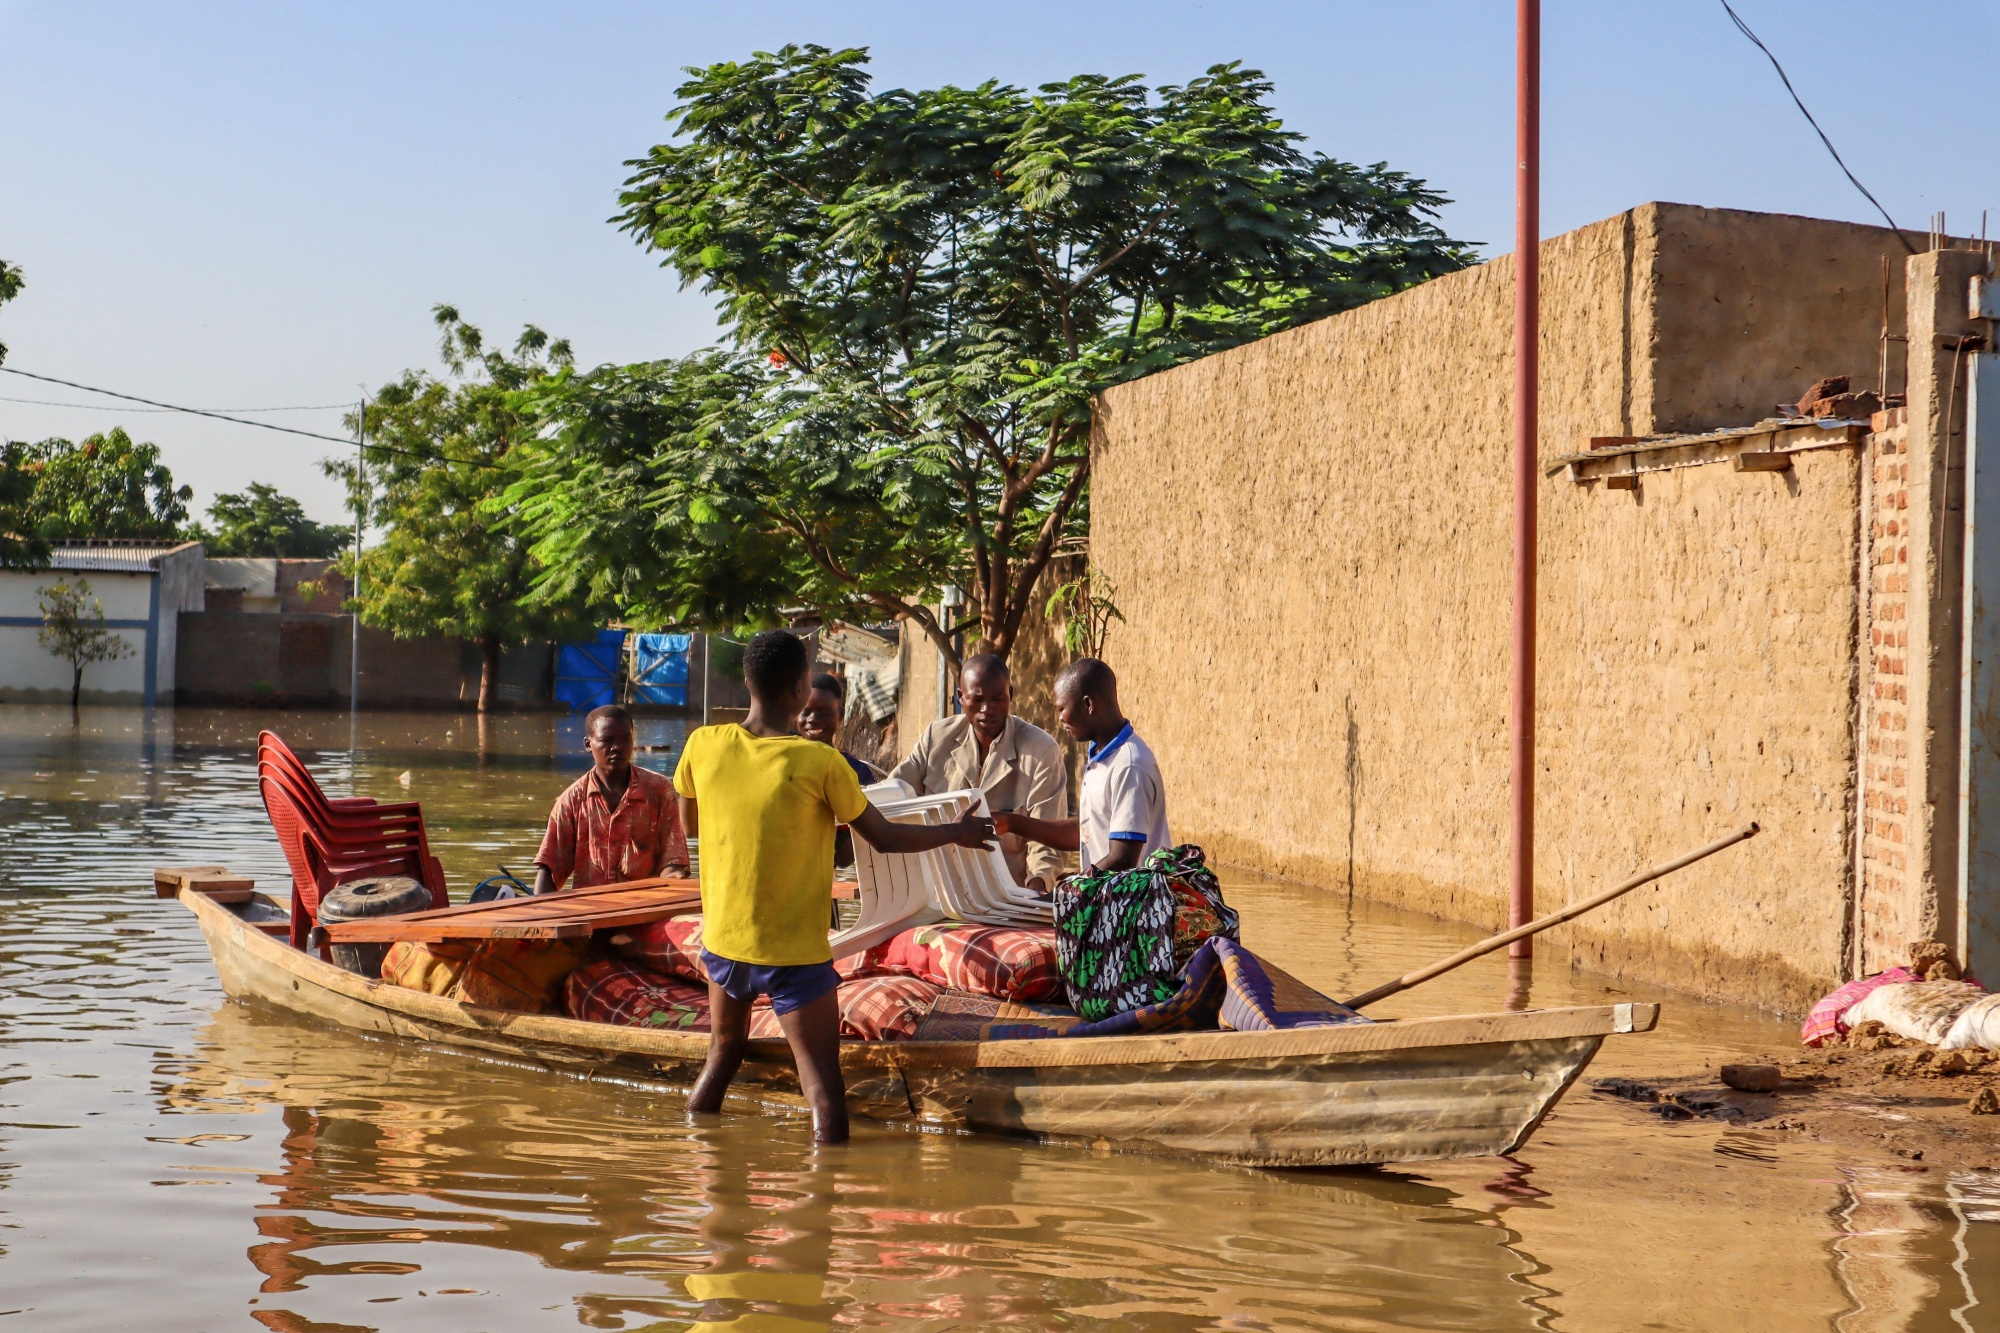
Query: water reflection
column 171, row 1160
column 394, row 1161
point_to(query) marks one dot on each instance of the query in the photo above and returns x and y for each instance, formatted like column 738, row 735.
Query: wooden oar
column 1540, row 924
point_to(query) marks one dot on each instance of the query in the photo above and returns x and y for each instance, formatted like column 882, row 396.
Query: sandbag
column 1828, row 1018
column 613, row 990
column 1122, row 938
column 1977, row 1027
column 431, row 968
column 520, row 976
column 1919, row 1010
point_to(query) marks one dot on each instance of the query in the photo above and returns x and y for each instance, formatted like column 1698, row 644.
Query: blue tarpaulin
column 660, row 669
column 587, row 673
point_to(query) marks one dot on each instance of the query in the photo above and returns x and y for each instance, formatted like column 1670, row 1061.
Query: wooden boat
column 1400, row 1091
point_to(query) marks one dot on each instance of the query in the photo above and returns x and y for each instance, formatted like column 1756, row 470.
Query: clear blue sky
column 256, row 205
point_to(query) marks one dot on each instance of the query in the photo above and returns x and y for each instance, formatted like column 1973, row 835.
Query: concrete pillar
column 1909, row 880
column 1977, row 928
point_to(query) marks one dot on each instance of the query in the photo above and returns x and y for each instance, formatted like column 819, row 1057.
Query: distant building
column 269, row 585
column 143, row 586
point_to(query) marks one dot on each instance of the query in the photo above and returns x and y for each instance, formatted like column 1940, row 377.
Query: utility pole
column 1527, row 452
column 360, row 514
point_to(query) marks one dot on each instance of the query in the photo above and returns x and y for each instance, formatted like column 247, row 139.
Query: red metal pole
column 1527, row 450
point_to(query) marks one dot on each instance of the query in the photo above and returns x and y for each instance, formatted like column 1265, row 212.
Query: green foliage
column 925, row 290
column 19, row 543
column 108, row 486
column 448, row 564
column 73, row 629
column 1086, row 606
column 11, row 283
column 261, row 521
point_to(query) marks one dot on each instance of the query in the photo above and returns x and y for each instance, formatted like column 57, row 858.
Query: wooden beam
column 167, row 880
column 550, row 916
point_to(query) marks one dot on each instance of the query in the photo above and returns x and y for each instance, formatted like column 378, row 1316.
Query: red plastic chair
column 319, row 864
column 328, row 843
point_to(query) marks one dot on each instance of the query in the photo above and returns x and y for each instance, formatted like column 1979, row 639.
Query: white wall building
column 144, row 586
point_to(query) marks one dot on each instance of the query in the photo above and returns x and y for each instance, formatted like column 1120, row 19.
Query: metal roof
column 112, row 557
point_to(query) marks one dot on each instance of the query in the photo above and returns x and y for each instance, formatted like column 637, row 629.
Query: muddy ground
column 1873, row 1091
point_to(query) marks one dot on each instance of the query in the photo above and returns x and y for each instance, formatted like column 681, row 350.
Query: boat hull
column 1361, row 1094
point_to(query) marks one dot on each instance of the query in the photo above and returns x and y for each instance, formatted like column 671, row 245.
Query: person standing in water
column 765, row 802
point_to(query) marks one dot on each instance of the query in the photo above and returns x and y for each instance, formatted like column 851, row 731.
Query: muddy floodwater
column 170, row 1160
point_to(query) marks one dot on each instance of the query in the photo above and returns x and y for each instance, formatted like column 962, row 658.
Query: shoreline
column 1883, row 1093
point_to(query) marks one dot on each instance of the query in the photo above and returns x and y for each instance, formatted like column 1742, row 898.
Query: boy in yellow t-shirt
column 764, row 803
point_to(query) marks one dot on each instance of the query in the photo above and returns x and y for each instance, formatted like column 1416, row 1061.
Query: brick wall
column 1887, row 840
column 1908, row 884
column 232, row 658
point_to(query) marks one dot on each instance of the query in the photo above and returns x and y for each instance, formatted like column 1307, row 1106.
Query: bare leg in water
column 728, row 1030
column 814, row 1034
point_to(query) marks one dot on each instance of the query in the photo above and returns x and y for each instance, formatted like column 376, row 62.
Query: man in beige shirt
column 1017, row 764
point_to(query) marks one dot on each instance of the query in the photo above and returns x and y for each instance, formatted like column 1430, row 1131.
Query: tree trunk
column 75, row 686
column 489, row 674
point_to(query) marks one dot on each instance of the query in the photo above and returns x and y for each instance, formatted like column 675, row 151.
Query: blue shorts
column 790, row 988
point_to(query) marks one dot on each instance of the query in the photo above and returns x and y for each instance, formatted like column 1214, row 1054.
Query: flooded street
column 173, row 1161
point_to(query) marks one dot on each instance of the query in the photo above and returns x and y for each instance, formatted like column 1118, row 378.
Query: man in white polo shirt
column 1122, row 807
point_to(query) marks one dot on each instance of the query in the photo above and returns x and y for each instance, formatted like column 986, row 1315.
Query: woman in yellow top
column 764, row 803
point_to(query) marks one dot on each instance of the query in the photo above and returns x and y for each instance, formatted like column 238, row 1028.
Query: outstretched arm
column 1066, row 834
column 1061, row 834
column 885, row 835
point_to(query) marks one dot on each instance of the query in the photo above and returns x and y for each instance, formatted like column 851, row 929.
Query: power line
column 1744, row 28
column 238, row 421
column 101, row 407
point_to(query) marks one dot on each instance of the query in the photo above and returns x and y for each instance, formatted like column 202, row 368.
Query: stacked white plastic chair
column 901, row 890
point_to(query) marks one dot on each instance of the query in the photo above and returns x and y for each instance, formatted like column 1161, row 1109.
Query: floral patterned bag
column 1123, row 937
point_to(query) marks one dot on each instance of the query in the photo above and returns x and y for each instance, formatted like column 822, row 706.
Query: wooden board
column 167, row 880
column 551, row 916
column 224, row 888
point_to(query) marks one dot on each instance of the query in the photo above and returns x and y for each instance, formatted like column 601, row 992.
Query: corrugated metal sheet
column 111, row 557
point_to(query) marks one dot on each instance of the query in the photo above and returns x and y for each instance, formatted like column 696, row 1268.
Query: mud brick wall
column 1311, row 536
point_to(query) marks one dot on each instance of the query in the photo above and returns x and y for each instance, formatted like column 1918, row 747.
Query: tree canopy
column 448, row 563
column 261, row 521
column 110, row 485
column 11, row 283
column 922, row 291
column 18, row 543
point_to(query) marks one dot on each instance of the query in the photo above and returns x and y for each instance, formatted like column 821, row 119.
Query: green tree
column 11, row 283
column 259, row 520
column 19, row 544
column 73, row 629
column 108, row 486
column 924, row 290
column 448, row 563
